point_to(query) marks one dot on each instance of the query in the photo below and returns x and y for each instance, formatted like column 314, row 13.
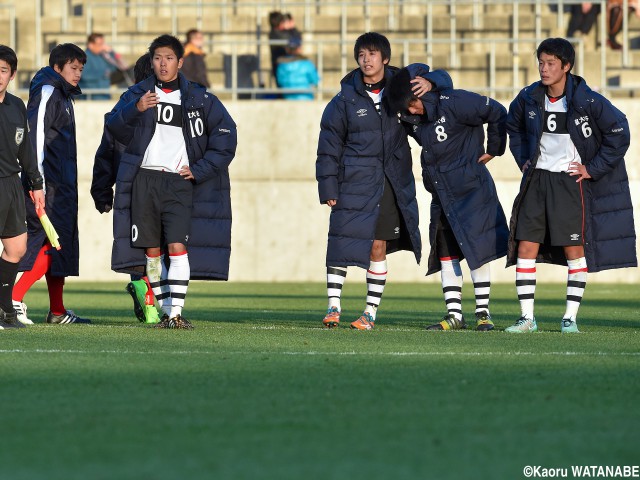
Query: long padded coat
column 600, row 133
column 52, row 133
column 452, row 137
column 211, row 140
column 356, row 149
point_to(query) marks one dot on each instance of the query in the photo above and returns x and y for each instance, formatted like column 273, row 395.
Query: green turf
column 259, row 390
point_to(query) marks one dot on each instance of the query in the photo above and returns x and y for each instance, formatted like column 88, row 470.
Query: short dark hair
column 560, row 48
column 398, row 91
column 142, row 68
column 275, row 19
column 66, row 53
column 191, row 33
column 167, row 41
column 373, row 41
column 94, row 36
column 8, row 55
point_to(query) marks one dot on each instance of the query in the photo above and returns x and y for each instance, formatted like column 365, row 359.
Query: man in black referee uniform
column 14, row 145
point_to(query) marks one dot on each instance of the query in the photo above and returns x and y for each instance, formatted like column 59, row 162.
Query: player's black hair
column 66, row 53
column 167, row 41
column 275, row 19
column 558, row 47
column 373, row 41
column 398, row 91
column 8, row 55
column 143, row 68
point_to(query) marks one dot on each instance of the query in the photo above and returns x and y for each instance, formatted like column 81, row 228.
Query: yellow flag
column 49, row 229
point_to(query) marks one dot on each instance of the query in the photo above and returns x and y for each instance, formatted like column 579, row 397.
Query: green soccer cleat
column 523, row 325
column 449, row 322
column 150, row 314
column 138, row 289
column 483, row 321
column 569, row 326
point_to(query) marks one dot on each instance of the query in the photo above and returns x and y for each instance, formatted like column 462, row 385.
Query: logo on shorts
column 19, row 135
column 396, row 230
column 574, row 237
column 362, row 112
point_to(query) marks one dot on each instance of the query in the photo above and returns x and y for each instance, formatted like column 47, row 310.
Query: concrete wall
column 279, row 227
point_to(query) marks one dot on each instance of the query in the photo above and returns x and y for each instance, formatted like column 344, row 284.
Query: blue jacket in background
column 452, row 137
column 97, row 74
column 52, row 133
column 296, row 72
column 600, row 133
column 357, row 148
column 211, row 140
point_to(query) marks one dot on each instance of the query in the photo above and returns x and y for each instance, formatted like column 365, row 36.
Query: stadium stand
column 488, row 45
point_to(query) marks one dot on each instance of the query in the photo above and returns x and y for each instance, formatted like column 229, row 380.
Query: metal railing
column 11, row 9
column 395, row 9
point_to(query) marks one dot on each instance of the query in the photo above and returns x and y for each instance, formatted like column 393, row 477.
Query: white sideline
column 314, row 353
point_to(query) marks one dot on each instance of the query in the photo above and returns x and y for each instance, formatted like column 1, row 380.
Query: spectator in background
column 193, row 66
column 614, row 20
column 102, row 61
column 583, row 17
column 283, row 27
column 294, row 70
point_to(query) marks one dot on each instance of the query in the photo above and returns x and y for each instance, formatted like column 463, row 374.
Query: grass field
column 259, row 391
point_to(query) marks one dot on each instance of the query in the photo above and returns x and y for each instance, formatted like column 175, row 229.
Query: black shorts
column 161, row 204
column 388, row 226
column 12, row 210
column 551, row 210
column 446, row 243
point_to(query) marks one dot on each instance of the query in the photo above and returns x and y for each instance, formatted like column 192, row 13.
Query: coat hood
column 48, row 76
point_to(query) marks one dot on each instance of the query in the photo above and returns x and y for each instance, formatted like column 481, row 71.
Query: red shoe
column 332, row 318
column 365, row 322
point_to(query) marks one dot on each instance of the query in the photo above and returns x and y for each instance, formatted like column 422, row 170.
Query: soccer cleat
column 177, row 322
column 66, row 318
column 523, row 325
column 21, row 309
column 483, row 321
column 449, row 322
column 332, row 318
column 9, row 320
column 138, row 289
column 569, row 326
column 365, row 322
column 150, row 314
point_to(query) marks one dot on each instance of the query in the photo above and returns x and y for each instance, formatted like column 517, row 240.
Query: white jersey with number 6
column 556, row 148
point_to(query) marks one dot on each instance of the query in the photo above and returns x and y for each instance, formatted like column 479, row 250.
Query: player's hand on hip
column 420, row 86
column 484, row 159
column 186, row 173
column 332, row 202
column 147, row 101
column 577, row 169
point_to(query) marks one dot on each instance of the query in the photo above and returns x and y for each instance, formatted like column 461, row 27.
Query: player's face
column 371, row 64
column 71, row 72
column 416, row 107
column 166, row 64
column 552, row 73
column 5, row 77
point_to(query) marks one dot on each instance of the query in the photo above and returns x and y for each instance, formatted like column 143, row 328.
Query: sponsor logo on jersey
column 19, row 135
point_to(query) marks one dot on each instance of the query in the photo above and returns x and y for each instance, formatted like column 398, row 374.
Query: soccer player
column 364, row 175
column 172, row 185
column 467, row 220
column 52, row 133
column 574, row 207
column 14, row 145
column 105, row 168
